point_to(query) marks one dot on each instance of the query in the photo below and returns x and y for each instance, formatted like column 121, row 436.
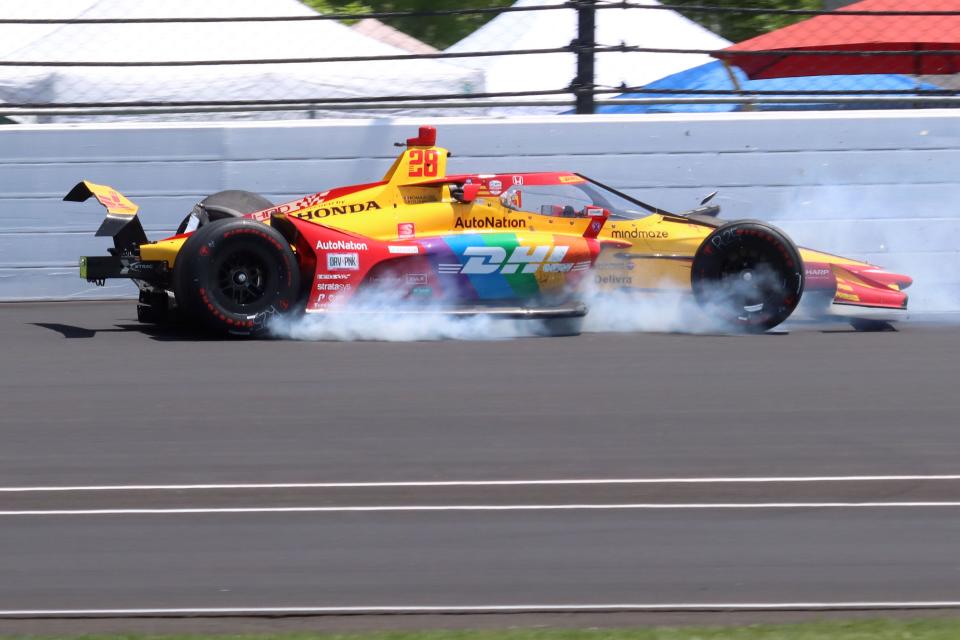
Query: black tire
column 232, row 275
column 222, row 205
column 154, row 307
column 749, row 275
column 865, row 325
column 559, row 327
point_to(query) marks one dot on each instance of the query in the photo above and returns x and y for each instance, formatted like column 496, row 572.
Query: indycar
column 517, row 245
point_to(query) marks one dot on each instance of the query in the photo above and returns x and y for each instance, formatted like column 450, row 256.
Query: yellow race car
column 519, row 245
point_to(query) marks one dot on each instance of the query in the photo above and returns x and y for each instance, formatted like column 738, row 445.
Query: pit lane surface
column 398, row 455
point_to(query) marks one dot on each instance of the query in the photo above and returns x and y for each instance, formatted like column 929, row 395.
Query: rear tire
column 559, row 327
column 749, row 275
column 223, row 205
column 232, row 275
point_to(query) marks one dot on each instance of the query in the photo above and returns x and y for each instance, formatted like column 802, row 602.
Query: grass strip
column 900, row 629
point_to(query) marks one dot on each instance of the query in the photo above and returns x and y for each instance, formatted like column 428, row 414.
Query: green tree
column 737, row 27
column 439, row 31
column 442, row 31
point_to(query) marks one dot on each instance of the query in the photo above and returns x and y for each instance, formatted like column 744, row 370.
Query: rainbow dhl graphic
column 514, row 244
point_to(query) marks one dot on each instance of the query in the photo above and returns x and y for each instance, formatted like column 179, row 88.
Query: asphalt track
column 626, row 477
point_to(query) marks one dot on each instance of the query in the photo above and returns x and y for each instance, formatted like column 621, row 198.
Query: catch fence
column 174, row 59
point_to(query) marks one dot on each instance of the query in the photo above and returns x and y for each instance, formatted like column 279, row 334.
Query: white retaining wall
column 883, row 186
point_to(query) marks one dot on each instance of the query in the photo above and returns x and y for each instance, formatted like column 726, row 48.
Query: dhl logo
column 489, row 260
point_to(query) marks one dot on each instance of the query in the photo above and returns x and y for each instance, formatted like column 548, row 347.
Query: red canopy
column 857, row 33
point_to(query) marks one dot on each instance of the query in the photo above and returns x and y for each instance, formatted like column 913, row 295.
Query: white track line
column 476, row 483
column 481, row 507
column 522, row 608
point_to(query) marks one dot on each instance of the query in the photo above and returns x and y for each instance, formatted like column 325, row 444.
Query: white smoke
column 888, row 225
column 671, row 310
column 627, row 312
column 379, row 313
column 396, row 326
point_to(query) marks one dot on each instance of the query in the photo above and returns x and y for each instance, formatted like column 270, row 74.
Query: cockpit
column 571, row 200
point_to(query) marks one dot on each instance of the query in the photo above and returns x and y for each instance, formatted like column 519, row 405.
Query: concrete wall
column 891, row 175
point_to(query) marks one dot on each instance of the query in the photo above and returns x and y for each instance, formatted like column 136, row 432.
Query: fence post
column 584, row 44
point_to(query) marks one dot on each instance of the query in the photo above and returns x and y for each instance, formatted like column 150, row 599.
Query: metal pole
column 583, row 84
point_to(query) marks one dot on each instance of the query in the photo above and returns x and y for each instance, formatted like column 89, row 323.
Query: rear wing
column 121, row 223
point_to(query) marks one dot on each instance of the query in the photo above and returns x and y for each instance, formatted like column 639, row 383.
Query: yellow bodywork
column 163, row 250
column 115, row 202
column 416, row 196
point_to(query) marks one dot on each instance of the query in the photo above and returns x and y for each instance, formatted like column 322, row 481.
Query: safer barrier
column 882, row 186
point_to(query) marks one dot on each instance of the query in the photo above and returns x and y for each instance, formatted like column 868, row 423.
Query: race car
column 516, row 245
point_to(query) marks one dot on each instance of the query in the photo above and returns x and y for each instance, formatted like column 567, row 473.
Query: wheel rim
column 242, row 280
column 750, row 282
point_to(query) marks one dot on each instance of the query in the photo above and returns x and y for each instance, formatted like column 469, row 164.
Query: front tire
column 865, row 325
column 232, row 275
column 749, row 275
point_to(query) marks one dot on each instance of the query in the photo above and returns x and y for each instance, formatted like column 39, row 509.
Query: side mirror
column 467, row 193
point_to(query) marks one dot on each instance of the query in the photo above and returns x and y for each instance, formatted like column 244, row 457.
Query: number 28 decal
column 424, row 163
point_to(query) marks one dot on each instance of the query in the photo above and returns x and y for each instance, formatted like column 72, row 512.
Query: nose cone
column 871, row 286
column 883, row 278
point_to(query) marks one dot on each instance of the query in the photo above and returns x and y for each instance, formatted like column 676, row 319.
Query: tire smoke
column 379, row 313
column 885, row 226
column 671, row 310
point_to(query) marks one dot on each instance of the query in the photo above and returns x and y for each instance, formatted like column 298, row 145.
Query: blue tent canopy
column 713, row 76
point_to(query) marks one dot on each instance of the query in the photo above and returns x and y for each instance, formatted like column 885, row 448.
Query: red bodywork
column 348, row 260
column 858, row 285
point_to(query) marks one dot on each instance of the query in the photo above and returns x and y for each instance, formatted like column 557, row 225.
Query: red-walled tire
column 749, row 275
column 232, row 275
